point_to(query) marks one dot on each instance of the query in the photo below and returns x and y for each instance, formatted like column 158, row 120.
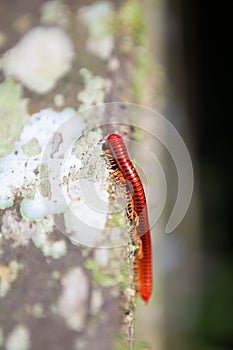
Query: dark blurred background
column 199, row 61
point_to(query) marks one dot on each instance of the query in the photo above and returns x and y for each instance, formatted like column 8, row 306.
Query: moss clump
column 106, row 276
column 118, row 220
column 130, row 21
column 42, row 170
column 149, row 75
column 28, row 190
column 13, row 115
column 44, row 186
column 32, row 148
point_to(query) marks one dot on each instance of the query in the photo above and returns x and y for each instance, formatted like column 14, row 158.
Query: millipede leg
column 140, row 248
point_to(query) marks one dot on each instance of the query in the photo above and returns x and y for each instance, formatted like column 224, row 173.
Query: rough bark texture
column 34, row 305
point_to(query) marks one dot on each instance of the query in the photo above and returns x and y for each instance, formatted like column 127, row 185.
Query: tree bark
column 62, row 299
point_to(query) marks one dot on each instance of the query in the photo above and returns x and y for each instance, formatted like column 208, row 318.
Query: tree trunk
column 55, row 291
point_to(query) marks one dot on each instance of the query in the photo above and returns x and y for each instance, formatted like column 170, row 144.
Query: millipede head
column 114, row 136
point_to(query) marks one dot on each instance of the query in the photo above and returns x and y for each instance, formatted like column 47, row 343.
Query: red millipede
column 119, row 152
column 132, row 216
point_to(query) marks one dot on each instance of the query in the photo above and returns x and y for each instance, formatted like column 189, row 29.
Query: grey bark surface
column 34, row 293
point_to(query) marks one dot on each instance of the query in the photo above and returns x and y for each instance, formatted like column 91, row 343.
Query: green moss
column 84, row 145
column 32, row 148
column 94, row 91
column 45, row 188
column 143, row 69
column 28, row 190
column 42, row 170
column 105, row 279
column 123, row 276
column 130, row 21
column 107, row 276
column 137, row 135
column 132, row 15
column 55, row 12
column 118, row 220
column 13, row 115
column 150, row 76
column 89, row 264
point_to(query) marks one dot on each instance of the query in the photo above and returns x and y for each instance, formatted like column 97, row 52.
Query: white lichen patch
column 84, row 190
column 101, row 47
column 95, row 89
column 100, row 41
column 102, row 257
column 8, row 274
column 13, row 115
column 55, row 249
column 20, row 172
column 72, row 303
column 32, row 147
column 96, row 301
column 18, row 339
column 59, row 101
column 40, row 58
column 33, row 209
column 93, row 167
column 87, row 211
column 43, row 241
column 44, row 124
column 19, row 230
column 44, row 227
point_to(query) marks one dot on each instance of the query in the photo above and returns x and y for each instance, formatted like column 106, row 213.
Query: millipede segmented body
column 124, row 168
column 117, row 176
